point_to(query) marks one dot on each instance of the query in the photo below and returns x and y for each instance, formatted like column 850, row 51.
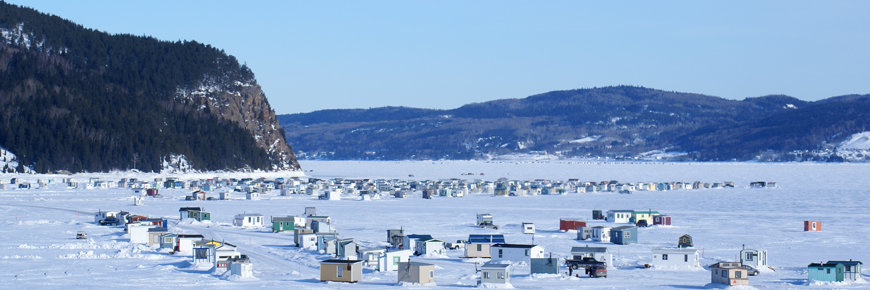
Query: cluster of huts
column 155, row 231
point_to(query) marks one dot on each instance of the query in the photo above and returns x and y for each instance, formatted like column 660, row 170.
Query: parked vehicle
column 593, row 268
column 751, row 270
column 459, row 244
column 81, row 235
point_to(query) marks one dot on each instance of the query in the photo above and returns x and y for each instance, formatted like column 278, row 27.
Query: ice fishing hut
column 241, row 266
column 685, row 241
column 495, row 273
column 676, row 257
column 391, row 259
column 584, row 233
column 341, row 270
column 226, row 195
column 395, row 237
column 834, row 271
column 547, row 265
column 812, row 226
column 753, row 257
column 663, row 220
column 623, row 235
column 282, row 224
column 416, row 272
column 528, row 228
column 310, row 211
column 729, row 273
column 570, row 224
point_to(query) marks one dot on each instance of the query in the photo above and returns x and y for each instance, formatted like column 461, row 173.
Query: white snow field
column 38, row 249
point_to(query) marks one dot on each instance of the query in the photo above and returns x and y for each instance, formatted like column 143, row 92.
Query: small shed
column 547, row 265
column 619, row 216
column 570, row 224
column 185, row 212
column 395, row 236
column 834, row 271
column 479, row 245
column 202, row 216
column 226, row 195
column 154, row 235
column 346, row 249
column 753, row 257
column 341, row 270
column 601, row 234
column 249, row 220
column 297, row 235
column 516, row 252
column 676, row 257
column 429, row 246
column 307, row 241
column 528, row 228
column 283, row 224
column 685, row 241
column 812, row 226
column 495, row 273
column 729, row 273
column 597, row 215
column 241, row 266
column 623, row 235
column 584, row 233
column 168, row 241
column 253, row 195
column 391, row 259
column 416, row 272
column 663, row 220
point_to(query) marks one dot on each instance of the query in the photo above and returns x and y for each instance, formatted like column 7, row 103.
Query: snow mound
column 407, row 284
column 677, row 268
column 435, row 256
column 723, row 286
column 84, row 255
column 837, row 284
column 858, row 141
column 495, row 286
column 536, row 276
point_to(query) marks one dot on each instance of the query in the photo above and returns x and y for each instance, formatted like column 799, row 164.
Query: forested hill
column 77, row 99
column 615, row 122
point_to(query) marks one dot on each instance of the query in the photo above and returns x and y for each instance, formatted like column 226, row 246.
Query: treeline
column 77, row 99
column 625, row 121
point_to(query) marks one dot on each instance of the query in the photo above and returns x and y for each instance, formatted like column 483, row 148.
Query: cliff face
column 245, row 105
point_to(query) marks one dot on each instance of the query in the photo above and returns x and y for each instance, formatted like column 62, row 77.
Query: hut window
column 431, row 273
column 664, row 257
column 749, row 256
column 829, row 271
column 485, row 275
column 737, row 274
column 725, row 274
column 339, row 271
column 685, row 258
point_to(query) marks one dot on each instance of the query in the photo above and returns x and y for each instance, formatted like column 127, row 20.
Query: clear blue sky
column 315, row 55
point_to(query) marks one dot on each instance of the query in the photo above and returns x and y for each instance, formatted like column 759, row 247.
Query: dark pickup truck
column 593, row 268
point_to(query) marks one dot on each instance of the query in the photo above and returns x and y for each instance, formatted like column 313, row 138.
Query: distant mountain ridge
column 615, row 122
column 76, row 99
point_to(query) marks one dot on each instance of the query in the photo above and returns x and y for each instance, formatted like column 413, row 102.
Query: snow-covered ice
column 39, row 249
